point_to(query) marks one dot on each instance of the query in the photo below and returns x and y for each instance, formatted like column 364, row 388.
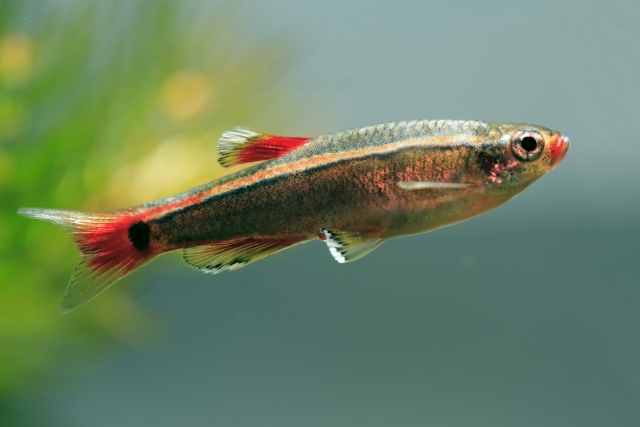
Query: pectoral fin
column 424, row 185
column 349, row 246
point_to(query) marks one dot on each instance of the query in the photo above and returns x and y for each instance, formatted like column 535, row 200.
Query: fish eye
column 527, row 144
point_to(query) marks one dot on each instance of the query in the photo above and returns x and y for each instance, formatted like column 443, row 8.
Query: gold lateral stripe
column 326, row 159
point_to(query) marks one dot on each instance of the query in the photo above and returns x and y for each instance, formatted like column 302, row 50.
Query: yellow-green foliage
column 104, row 104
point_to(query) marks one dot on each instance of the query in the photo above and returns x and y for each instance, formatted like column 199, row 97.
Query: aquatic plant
column 105, row 104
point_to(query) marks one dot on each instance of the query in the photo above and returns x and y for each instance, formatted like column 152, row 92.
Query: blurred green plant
column 105, row 104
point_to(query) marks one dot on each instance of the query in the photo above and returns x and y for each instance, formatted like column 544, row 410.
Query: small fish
column 352, row 189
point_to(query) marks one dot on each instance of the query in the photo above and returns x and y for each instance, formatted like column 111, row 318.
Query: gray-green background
column 526, row 316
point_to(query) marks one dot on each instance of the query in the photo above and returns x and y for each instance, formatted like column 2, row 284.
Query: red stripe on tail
column 111, row 244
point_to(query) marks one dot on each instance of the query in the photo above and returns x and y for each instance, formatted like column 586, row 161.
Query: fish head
column 520, row 154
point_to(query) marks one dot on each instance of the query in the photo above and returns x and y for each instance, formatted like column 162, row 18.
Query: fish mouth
column 559, row 148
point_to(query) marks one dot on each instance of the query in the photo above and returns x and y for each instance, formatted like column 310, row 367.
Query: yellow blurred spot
column 174, row 163
column 185, row 95
column 16, row 59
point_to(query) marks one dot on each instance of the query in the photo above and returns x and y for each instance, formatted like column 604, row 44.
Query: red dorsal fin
column 241, row 145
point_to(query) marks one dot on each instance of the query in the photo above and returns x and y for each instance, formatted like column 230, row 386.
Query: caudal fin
column 112, row 244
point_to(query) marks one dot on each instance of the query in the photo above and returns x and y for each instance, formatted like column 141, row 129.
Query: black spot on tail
column 139, row 235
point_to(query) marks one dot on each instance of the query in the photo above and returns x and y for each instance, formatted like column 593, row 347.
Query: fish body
column 352, row 189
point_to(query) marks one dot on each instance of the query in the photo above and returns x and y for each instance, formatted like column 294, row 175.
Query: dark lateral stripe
column 252, row 177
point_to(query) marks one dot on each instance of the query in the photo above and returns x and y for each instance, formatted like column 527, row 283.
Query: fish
column 352, row 189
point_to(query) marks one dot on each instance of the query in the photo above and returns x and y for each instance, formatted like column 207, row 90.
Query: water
column 526, row 316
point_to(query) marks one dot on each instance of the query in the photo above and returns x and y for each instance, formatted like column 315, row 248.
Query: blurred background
column 526, row 316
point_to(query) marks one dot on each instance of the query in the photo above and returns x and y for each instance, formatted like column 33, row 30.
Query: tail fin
column 112, row 244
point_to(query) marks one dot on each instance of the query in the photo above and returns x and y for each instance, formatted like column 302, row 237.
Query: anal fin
column 242, row 145
column 348, row 246
column 233, row 254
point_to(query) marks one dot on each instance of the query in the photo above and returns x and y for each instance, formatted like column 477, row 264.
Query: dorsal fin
column 242, row 145
column 346, row 246
column 233, row 254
